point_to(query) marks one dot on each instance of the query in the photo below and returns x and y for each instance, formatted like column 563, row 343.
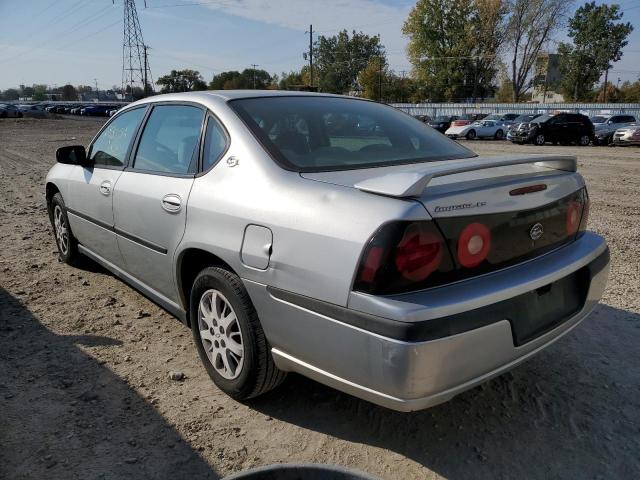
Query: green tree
column 531, row 24
column 373, row 78
column 233, row 79
column 598, row 37
column 39, row 92
column 629, row 92
column 181, row 81
column 294, row 79
column 227, row 81
column 454, row 45
column 340, row 58
column 11, row 94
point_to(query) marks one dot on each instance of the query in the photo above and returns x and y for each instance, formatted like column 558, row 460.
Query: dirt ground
column 84, row 362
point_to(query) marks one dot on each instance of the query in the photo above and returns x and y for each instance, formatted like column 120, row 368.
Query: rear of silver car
column 409, row 350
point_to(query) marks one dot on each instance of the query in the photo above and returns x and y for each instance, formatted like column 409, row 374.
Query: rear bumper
column 403, row 374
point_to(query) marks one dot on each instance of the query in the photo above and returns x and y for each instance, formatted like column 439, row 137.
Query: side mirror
column 610, row 122
column 72, row 155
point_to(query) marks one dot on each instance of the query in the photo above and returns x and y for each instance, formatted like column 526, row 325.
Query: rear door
column 89, row 203
column 150, row 198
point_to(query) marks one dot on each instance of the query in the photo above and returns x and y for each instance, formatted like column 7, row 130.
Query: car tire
column 539, row 139
column 65, row 241
column 584, row 140
column 499, row 135
column 471, row 135
column 229, row 337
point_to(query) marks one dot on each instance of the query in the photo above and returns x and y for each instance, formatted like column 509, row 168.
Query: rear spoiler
column 413, row 183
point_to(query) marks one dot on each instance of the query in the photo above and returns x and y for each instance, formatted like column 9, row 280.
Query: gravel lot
column 84, row 363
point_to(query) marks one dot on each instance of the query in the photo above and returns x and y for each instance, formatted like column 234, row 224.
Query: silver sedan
column 334, row 237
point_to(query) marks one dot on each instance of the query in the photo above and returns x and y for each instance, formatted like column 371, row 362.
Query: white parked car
column 606, row 126
column 627, row 136
column 479, row 129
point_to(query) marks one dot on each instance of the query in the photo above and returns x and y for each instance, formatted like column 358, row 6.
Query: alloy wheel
column 584, row 140
column 540, row 139
column 220, row 334
column 61, row 230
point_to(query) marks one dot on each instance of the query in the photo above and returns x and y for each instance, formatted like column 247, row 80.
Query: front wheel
column 66, row 242
column 229, row 337
column 539, row 139
column 471, row 135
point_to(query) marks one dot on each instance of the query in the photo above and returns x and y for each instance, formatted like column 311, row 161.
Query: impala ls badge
column 536, row 232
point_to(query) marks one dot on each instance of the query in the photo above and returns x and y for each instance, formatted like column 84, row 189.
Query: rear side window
column 111, row 146
column 309, row 133
column 215, row 144
column 169, row 141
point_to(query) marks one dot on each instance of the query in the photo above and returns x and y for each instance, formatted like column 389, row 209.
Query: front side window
column 305, row 133
column 111, row 146
column 170, row 139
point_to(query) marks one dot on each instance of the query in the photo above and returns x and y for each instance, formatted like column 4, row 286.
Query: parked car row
column 561, row 128
column 90, row 109
column 9, row 111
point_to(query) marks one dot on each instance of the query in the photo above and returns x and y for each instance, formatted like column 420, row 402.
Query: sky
column 80, row 41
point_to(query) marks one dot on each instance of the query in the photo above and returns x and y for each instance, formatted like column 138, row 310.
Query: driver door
column 150, row 197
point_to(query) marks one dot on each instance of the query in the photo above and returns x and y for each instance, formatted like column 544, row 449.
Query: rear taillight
column 474, row 244
column 403, row 256
column 574, row 213
column 419, row 253
column 461, row 123
column 578, row 213
column 586, row 205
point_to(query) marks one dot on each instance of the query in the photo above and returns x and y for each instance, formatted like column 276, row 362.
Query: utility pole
column 311, row 55
column 254, row 65
column 402, row 74
column 97, row 91
column 380, row 81
column 606, row 80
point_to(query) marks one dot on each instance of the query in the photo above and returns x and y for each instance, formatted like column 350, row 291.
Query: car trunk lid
column 523, row 201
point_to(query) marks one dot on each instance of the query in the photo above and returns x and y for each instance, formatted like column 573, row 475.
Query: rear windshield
column 326, row 133
column 598, row 119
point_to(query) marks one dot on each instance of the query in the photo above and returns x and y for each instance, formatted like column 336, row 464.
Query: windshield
column 598, row 119
column 524, row 118
column 494, row 116
column 305, row 133
column 543, row 118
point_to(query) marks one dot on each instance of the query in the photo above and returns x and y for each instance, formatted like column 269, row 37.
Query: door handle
column 172, row 203
column 105, row 188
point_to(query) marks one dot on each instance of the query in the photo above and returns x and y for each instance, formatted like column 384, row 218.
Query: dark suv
column 563, row 128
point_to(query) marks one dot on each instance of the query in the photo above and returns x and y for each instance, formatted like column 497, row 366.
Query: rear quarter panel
column 319, row 229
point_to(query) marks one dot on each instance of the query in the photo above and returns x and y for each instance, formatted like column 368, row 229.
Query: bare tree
column 531, row 25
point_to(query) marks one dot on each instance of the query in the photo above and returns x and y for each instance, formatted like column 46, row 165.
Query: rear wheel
column 499, row 135
column 229, row 337
column 471, row 135
column 539, row 139
column 584, row 140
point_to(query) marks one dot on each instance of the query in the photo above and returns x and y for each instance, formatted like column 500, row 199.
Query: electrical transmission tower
column 135, row 63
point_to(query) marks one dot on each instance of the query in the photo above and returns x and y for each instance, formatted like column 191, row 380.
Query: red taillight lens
column 403, row 256
column 474, row 244
column 574, row 214
column 419, row 253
